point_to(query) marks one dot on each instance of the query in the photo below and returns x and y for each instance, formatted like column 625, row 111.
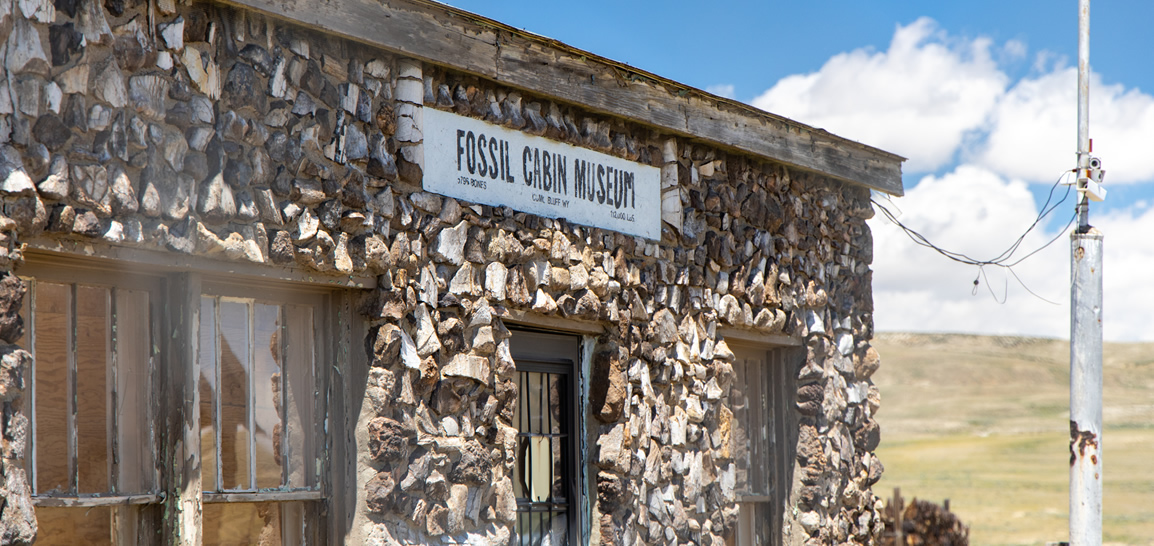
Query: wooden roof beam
column 453, row 38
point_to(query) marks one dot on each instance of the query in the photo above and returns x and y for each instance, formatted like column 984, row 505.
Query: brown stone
column 609, row 531
column 866, row 364
column 379, row 492
column 14, row 362
column 446, row 400
column 385, row 345
column 507, row 396
column 17, row 517
column 387, row 439
column 868, row 436
column 611, row 491
column 475, row 466
column 438, row 520
column 809, row 398
column 607, row 386
column 876, row 469
column 808, row 446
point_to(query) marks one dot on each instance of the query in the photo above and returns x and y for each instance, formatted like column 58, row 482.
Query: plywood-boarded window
column 106, row 361
column 92, row 447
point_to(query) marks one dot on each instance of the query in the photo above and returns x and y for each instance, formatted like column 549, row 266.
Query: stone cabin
column 365, row 272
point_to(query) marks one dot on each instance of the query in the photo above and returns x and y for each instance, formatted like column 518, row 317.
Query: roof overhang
column 460, row 40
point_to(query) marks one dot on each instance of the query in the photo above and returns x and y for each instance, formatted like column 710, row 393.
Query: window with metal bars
column 545, row 483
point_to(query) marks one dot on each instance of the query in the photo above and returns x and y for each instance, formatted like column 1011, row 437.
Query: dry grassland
column 984, row 422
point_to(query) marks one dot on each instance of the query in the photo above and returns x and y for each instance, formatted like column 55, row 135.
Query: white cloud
column 1033, row 132
column 1014, row 50
column 722, row 90
column 1128, row 255
column 944, row 103
column 973, row 211
column 919, row 98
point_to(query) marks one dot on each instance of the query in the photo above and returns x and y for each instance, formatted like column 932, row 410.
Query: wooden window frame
column 32, row 276
column 174, row 297
column 313, row 516
column 780, row 360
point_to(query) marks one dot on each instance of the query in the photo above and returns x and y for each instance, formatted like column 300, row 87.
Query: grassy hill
column 984, row 422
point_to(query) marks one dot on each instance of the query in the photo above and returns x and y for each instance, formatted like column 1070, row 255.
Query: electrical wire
column 1002, row 260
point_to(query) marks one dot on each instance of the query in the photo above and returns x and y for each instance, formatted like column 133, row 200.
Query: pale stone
column 13, row 179
column 278, row 83
column 25, row 53
column 694, row 409
column 306, row 228
column 206, row 77
column 53, row 97
column 544, row 303
column 108, row 85
column 299, row 46
column 426, row 335
column 578, row 277
column 55, row 185
column 450, row 245
column 384, row 203
column 844, row 342
column 74, row 80
column 90, row 188
column 677, row 427
column 465, row 282
column 350, row 98
column 409, row 356
column 729, row 310
column 124, row 200
column 91, row 23
column 506, row 501
column 341, row 259
column 664, row 327
column 216, row 202
column 813, row 322
column 482, row 315
column 378, row 69
column 173, row 34
column 537, row 273
column 692, row 482
column 472, row 367
column 727, row 480
column 449, row 426
column 483, row 342
column 427, row 285
column 722, row 352
column 42, row 11
column 810, row 521
column 611, row 445
column 148, row 93
column 495, row 277
column 712, row 390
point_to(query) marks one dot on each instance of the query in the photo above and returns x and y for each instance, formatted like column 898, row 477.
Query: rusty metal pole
column 1085, row 330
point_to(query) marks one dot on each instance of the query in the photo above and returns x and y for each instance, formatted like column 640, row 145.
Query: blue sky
column 979, row 95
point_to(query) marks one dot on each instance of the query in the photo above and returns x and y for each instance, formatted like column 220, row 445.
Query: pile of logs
column 922, row 523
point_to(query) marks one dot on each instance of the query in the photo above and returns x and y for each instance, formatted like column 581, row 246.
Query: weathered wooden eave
column 457, row 39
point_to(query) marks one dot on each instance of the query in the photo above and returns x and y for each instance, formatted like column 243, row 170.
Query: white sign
column 484, row 163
